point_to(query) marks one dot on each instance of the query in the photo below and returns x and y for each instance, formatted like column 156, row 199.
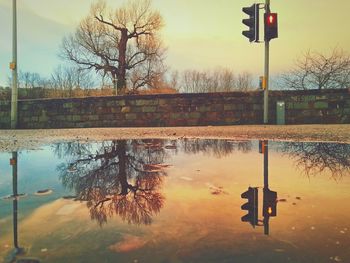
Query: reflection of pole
column 266, row 164
column 266, row 184
column 13, row 66
column 15, row 195
column 266, row 225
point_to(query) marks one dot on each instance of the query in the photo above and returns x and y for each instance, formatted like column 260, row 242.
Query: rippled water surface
column 176, row 201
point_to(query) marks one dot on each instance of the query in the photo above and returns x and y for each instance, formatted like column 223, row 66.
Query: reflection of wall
column 327, row 106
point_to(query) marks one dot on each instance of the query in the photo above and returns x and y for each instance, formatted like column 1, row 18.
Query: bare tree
column 316, row 158
column 319, row 71
column 244, row 81
column 219, row 80
column 117, row 42
column 29, row 80
column 69, row 78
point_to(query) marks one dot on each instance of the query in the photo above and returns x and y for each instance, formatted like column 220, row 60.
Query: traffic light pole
column 267, row 64
column 13, row 66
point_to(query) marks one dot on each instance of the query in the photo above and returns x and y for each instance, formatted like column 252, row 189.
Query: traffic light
column 269, row 203
column 251, row 206
column 252, row 22
column 271, row 26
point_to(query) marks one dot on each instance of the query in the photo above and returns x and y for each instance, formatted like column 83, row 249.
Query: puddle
column 176, row 201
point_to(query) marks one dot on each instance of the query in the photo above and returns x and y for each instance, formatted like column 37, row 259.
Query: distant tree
column 29, row 80
column 319, row 71
column 219, row 80
column 69, row 78
column 244, row 81
column 118, row 43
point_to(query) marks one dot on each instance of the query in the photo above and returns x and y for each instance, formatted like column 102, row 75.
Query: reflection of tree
column 315, row 158
column 217, row 148
column 121, row 177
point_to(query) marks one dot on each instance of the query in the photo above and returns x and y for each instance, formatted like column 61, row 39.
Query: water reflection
column 118, row 177
column 316, row 157
column 17, row 250
column 269, row 197
column 127, row 179
column 217, row 148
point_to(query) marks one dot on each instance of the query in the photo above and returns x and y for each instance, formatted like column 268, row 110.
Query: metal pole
column 15, row 196
column 267, row 56
column 14, row 95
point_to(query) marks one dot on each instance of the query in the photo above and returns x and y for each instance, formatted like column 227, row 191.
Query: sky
column 198, row 34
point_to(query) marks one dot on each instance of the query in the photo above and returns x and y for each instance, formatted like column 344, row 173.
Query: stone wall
column 327, row 106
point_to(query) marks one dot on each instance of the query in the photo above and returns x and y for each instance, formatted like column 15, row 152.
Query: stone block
column 204, row 108
column 110, row 103
column 126, row 109
column 76, row 118
column 150, row 102
column 194, row 115
column 93, row 117
column 149, row 109
column 176, row 116
column 300, row 105
column 321, row 105
column 308, row 98
column 130, row 116
column 229, row 107
column 68, row 105
column 120, row 103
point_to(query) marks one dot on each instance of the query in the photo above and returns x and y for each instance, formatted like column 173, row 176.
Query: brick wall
column 327, row 106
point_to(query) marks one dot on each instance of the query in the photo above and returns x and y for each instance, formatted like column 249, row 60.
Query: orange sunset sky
column 199, row 34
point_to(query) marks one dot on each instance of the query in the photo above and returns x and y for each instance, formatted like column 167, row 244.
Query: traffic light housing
column 252, row 22
column 269, row 203
column 251, row 206
column 271, row 26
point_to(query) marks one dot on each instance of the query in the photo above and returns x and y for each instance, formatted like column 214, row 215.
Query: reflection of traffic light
column 252, row 22
column 271, row 26
column 251, row 206
column 262, row 146
column 269, row 203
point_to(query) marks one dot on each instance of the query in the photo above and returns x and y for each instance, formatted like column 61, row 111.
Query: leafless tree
column 69, row 78
column 244, row 81
column 316, row 158
column 115, row 43
column 319, row 71
column 219, row 80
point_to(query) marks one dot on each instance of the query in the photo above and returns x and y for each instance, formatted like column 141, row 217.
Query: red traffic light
column 271, row 19
column 271, row 26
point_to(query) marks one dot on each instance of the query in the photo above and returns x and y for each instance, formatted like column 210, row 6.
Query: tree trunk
column 121, row 84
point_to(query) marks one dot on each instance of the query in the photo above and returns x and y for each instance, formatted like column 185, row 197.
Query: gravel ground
column 11, row 140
